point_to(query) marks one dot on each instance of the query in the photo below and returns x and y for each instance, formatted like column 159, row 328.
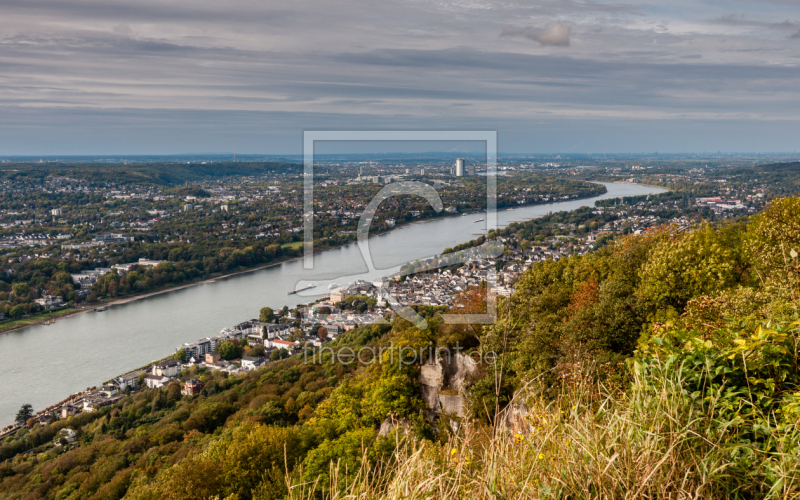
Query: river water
column 42, row 365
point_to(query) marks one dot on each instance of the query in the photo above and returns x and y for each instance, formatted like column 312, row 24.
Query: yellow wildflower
column 541, row 456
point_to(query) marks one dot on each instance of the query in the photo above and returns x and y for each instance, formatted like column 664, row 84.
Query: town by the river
column 43, row 364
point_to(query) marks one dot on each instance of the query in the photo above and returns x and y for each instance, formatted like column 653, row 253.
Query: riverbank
column 665, row 188
column 84, row 307
column 82, row 350
column 38, row 320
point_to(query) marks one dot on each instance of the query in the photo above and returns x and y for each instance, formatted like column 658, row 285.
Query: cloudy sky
column 149, row 76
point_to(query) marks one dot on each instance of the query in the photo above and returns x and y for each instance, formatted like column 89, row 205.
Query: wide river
column 42, row 365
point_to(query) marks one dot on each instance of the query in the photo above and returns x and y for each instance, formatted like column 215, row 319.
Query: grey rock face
column 450, row 374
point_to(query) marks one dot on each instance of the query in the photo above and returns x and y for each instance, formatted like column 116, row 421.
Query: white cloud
column 556, row 35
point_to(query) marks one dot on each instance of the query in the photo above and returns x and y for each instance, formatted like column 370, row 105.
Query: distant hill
column 162, row 174
column 773, row 168
column 192, row 191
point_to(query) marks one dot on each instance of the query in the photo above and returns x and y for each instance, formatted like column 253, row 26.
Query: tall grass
column 651, row 441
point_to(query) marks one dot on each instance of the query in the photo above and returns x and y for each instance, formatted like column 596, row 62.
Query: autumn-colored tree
column 584, row 296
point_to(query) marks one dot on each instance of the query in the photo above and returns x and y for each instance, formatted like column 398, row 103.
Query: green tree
column 24, row 414
column 690, row 264
column 16, row 312
column 773, row 234
column 256, row 351
column 345, row 452
column 278, row 354
column 267, row 315
column 21, row 289
column 228, row 350
column 173, row 392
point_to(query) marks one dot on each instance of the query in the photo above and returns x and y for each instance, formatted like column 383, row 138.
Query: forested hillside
column 160, row 174
column 663, row 365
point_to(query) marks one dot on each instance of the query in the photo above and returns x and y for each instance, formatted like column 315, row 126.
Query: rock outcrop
column 443, row 383
column 390, row 423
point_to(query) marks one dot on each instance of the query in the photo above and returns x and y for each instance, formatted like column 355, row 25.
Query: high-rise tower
column 460, row 167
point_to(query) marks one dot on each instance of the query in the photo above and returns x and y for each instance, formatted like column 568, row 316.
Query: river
column 42, row 365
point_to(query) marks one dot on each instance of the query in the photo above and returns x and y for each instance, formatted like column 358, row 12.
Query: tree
column 256, row 351
column 180, row 355
column 267, row 315
column 690, row 264
column 322, row 332
column 227, row 350
column 773, row 234
column 173, row 392
column 21, row 289
column 16, row 312
column 278, row 354
column 347, row 452
column 24, row 413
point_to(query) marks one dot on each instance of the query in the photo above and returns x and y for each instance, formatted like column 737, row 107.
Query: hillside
column 161, row 174
column 663, row 365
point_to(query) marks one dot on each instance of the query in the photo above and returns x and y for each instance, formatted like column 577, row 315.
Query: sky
column 550, row 76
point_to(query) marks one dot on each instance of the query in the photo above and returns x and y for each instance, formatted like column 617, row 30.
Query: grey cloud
column 123, row 29
column 384, row 64
column 556, row 35
column 149, row 11
column 580, row 81
column 741, row 20
column 119, row 43
column 795, row 36
column 564, row 7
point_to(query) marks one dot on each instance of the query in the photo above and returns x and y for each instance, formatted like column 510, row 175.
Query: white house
column 167, row 368
column 278, row 330
column 280, row 344
column 127, row 380
column 50, row 301
column 142, row 262
column 156, row 381
column 251, row 363
column 96, row 402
